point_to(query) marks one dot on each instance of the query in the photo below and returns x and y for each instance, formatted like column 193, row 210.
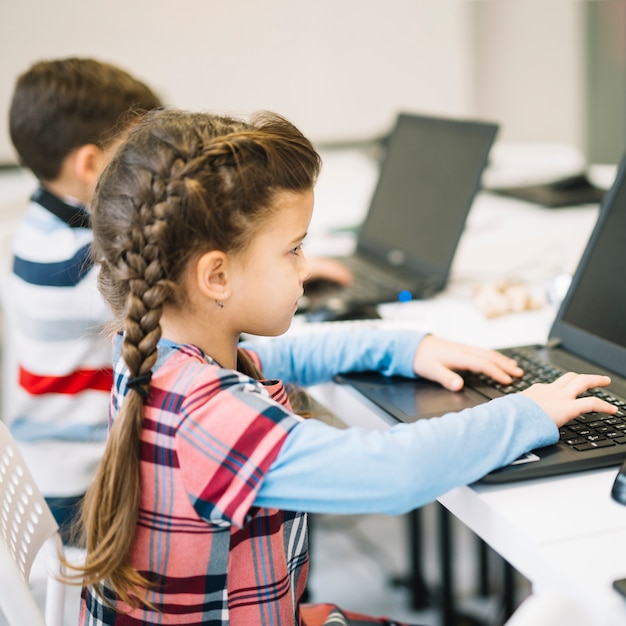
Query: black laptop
column 588, row 336
column 430, row 172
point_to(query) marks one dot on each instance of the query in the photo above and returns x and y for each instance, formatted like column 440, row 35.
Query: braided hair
column 182, row 184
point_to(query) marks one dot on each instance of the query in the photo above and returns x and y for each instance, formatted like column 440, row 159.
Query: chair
column 26, row 526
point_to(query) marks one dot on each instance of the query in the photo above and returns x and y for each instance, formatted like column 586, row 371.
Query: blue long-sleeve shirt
column 328, row 470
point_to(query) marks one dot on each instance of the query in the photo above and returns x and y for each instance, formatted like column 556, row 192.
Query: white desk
column 563, row 534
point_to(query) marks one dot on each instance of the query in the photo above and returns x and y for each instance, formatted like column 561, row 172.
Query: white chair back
column 26, row 525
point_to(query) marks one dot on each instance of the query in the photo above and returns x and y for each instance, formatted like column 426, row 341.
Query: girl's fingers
column 579, row 383
column 595, row 405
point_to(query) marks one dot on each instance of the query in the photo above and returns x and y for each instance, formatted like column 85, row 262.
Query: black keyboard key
column 594, row 445
column 574, row 442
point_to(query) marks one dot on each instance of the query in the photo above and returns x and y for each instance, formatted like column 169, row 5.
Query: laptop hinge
column 554, row 342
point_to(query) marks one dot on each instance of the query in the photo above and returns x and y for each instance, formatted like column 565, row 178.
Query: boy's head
column 62, row 105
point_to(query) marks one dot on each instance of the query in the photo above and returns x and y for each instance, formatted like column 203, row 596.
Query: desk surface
column 564, row 534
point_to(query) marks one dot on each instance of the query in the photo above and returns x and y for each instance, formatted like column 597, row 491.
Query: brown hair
column 63, row 104
column 181, row 184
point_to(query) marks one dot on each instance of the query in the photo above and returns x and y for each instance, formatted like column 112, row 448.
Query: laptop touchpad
column 408, row 400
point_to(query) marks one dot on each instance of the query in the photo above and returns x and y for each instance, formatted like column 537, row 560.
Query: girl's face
column 268, row 276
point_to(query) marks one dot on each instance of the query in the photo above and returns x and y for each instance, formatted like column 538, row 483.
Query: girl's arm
column 313, row 358
column 325, row 470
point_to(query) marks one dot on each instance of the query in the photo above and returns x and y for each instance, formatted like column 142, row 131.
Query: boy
column 65, row 121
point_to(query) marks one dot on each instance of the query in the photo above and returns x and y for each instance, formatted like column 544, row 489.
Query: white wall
column 341, row 69
column 530, row 61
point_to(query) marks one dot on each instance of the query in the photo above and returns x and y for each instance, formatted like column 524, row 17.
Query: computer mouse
column 618, row 492
column 316, row 292
column 337, row 310
column 315, row 286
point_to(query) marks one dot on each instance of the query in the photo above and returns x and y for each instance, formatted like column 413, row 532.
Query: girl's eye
column 297, row 249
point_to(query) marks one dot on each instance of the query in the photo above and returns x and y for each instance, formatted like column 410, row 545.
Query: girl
column 197, row 513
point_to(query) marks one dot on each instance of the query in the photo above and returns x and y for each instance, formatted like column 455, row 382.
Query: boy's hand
column 436, row 359
column 329, row 269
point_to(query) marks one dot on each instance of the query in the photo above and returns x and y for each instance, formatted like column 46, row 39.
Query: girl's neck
column 217, row 344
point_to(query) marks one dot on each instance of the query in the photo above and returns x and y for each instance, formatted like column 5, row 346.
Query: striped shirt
column 59, row 411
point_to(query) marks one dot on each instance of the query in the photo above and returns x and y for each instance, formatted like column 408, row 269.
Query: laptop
column 587, row 335
column 564, row 192
column 429, row 176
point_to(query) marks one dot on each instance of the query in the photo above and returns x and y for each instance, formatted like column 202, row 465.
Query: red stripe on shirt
column 74, row 383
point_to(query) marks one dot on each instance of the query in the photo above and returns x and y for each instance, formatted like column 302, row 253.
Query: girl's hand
column 560, row 400
column 436, row 359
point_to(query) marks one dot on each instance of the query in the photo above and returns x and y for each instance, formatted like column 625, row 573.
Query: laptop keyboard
column 370, row 282
column 586, row 432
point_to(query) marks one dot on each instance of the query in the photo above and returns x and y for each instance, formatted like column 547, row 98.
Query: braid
column 180, row 185
column 147, row 291
column 110, row 513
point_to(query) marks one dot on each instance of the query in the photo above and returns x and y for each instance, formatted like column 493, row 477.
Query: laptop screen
column 592, row 319
column 431, row 169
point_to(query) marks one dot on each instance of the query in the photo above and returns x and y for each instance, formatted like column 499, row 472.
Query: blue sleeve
column 313, row 358
column 321, row 469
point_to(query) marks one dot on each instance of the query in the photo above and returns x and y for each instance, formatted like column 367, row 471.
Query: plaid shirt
column 209, row 437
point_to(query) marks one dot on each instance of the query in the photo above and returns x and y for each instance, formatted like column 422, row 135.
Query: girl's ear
column 211, row 275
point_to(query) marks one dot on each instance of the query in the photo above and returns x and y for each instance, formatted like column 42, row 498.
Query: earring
column 219, row 302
